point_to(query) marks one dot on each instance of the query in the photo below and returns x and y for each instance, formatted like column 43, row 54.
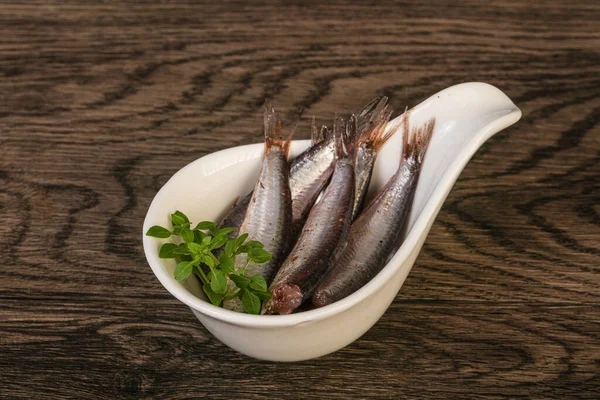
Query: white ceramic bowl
column 466, row 116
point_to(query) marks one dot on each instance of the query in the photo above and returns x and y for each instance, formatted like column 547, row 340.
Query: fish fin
column 372, row 129
column 349, row 136
column 314, row 132
column 325, row 132
column 288, row 139
column 372, row 111
column 368, row 108
column 343, row 136
column 338, row 129
column 272, row 127
column 405, row 136
column 416, row 141
column 317, row 135
column 273, row 135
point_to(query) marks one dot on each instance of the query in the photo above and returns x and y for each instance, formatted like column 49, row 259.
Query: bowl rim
column 427, row 215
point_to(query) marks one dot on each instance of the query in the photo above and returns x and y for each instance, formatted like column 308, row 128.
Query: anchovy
column 326, row 225
column 233, row 219
column 235, row 216
column 268, row 218
column 373, row 234
column 309, row 173
column 373, row 135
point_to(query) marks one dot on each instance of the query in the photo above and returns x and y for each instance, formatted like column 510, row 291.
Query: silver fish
column 235, row 216
column 373, row 234
column 326, row 225
column 268, row 218
column 309, row 173
column 373, row 135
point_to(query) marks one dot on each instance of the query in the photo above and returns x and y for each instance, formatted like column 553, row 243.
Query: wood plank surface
column 101, row 102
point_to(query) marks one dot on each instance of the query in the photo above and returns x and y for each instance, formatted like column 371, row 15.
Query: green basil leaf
column 254, row 244
column 204, row 225
column 187, row 235
column 214, row 298
column 208, row 261
column 240, row 281
column 218, row 241
column 177, row 220
column 182, row 215
column 182, row 249
column 218, row 282
column 263, row 295
column 229, row 247
column 167, row 250
column 259, row 256
column 226, row 263
column 159, row 232
column 199, row 236
column 240, row 240
column 242, row 249
column 196, row 248
column 183, row 270
column 251, row 302
column 258, row 283
column 225, row 231
column 206, row 240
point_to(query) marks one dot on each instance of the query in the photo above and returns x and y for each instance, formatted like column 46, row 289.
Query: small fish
column 268, row 218
column 309, row 173
column 326, row 225
column 373, row 121
column 373, row 234
column 233, row 219
column 235, row 216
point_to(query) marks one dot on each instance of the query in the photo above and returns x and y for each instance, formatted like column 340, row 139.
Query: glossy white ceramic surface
column 466, row 116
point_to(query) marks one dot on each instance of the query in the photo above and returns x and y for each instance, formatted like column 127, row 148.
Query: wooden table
column 101, row 103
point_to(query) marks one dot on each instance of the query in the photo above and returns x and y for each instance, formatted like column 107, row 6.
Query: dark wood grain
column 100, row 103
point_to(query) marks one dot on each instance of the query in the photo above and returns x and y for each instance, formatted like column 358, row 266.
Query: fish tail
column 314, row 132
column 317, row 135
column 344, row 134
column 416, row 141
column 325, row 133
column 338, row 126
column 349, row 137
column 368, row 108
column 273, row 135
column 372, row 126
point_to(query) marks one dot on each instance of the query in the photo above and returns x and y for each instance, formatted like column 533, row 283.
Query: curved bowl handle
column 466, row 115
